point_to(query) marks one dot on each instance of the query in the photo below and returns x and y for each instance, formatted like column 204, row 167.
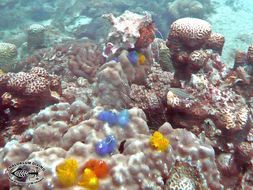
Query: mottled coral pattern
column 190, row 29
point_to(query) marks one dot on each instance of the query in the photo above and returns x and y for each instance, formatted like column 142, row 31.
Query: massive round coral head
column 8, row 51
column 191, row 31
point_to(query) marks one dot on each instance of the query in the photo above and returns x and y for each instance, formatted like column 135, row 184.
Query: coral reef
column 242, row 73
column 132, row 112
column 250, row 54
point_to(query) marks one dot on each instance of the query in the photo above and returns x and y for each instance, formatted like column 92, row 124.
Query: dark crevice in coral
column 121, row 146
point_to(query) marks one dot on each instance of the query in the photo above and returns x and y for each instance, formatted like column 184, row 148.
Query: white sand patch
column 236, row 24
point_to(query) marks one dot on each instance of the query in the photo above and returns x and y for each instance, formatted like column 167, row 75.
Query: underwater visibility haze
column 126, row 95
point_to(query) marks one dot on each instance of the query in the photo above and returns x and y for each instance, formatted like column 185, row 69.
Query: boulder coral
column 35, row 37
column 8, row 56
column 182, row 8
column 128, row 168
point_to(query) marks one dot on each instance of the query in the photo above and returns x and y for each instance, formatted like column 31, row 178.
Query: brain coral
column 191, row 31
column 8, row 55
column 215, row 42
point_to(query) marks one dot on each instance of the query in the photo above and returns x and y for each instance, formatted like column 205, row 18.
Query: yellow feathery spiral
column 89, row 180
column 67, row 172
column 159, row 142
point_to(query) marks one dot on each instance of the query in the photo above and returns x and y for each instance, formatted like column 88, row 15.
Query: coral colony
column 126, row 116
